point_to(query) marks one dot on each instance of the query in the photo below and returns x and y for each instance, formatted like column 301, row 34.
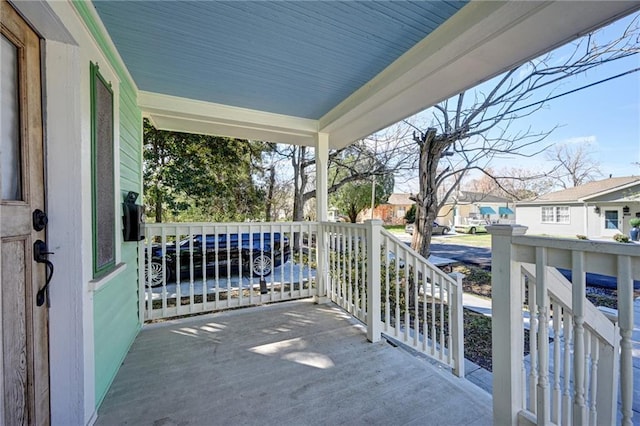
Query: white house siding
column 531, row 217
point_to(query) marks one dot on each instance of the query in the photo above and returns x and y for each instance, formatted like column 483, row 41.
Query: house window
column 102, row 174
column 611, row 219
column 556, row 214
column 400, row 213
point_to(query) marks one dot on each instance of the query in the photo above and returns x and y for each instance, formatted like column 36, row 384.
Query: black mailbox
column 133, row 219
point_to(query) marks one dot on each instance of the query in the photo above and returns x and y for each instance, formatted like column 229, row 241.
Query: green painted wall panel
column 115, row 304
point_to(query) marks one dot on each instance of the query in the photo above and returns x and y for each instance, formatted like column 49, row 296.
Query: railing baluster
column 352, row 304
column 301, row 263
column 567, row 332
column 191, row 270
column 433, row 312
column 227, row 240
column 587, row 372
column 358, row 270
column 163, row 244
column 542, row 300
column 579, row 289
column 387, row 305
column 203, row 267
column 595, row 352
column 441, row 306
column 425, row 325
column 533, row 344
column 416, row 307
column 556, row 404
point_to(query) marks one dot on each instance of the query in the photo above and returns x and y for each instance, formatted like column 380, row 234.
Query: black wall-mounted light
column 596, row 210
column 625, row 210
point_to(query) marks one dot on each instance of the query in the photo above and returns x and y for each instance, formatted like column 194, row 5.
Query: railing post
column 322, row 262
column 457, row 325
column 507, row 326
column 626, row 322
column 374, row 324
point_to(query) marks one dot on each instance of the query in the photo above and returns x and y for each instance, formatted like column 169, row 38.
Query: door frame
column 66, row 137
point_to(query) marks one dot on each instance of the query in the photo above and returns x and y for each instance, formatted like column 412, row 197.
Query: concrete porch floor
column 294, row 363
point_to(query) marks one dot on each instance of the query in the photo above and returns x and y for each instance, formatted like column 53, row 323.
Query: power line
column 568, row 92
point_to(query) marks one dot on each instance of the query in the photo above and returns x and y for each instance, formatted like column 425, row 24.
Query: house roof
column 400, row 199
column 285, row 71
column 587, row 191
column 471, row 197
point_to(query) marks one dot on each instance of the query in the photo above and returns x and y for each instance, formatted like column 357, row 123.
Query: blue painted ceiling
column 298, row 58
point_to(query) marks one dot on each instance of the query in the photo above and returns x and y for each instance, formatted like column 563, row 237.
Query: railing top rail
column 417, row 255
column 230, row 224
column 591, row 246
column 344, row 225
column 561, row 290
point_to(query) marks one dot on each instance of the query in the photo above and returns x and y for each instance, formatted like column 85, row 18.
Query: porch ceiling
column 284, row 70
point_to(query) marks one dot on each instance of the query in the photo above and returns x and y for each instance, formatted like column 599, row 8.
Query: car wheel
column 472, row 230
column 261, row 266
column 153, row 274
column 445, row 231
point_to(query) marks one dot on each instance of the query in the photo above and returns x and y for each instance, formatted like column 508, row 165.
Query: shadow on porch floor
column 289, row 363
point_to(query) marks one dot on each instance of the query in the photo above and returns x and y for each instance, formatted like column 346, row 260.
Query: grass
column 474, row 240
column 395, row 229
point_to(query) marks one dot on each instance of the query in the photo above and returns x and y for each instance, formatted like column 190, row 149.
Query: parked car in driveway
column 257, row 253
column 472, row 227
column 437, row 229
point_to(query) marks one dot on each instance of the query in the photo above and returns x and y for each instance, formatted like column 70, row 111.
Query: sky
column 606, row 115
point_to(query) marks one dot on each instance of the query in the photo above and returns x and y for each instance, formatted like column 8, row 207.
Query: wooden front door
column 24, row 370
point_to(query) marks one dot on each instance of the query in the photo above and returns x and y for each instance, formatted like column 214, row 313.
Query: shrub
column 621, row 238
column 634, row 222
column 410, row 215
column 581, row 237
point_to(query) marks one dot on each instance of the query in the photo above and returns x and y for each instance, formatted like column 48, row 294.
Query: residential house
column 79, row 76
column 465, row 205
column 598, row 209
column 392, row 212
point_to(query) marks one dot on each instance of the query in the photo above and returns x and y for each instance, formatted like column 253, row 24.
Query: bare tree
column 575, row 165
column 384, row 153
column 469, row 130
column 513, row 183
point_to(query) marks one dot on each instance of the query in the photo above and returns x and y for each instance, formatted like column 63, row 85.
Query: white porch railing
column 192, row 268
column 395, row 291
column 204, row 267
column 576, row 378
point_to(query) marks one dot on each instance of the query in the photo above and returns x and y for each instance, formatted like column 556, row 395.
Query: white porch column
column 507, row 326
column 322, row 170
column 374, row 325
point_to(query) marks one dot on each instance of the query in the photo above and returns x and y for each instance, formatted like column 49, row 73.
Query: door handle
column 41, row 255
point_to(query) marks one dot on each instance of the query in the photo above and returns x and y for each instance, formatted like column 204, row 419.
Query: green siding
column 115, row 305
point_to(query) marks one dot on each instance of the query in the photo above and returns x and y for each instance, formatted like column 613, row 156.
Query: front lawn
column 474, row 240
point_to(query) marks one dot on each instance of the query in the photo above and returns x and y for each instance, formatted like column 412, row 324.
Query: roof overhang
column 192, row 116
column 592, row 197
column 477, row 43
column 481, row 41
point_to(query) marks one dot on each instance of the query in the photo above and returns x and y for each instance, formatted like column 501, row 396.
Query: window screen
column 104, row 220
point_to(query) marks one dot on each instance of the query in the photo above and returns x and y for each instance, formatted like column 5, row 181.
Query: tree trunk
column 158, row 194
column 353, row 214
column 272, row 183
column 299, row 183
column 431, row 150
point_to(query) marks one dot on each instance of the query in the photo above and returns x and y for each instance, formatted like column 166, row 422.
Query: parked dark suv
column 257, row 253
